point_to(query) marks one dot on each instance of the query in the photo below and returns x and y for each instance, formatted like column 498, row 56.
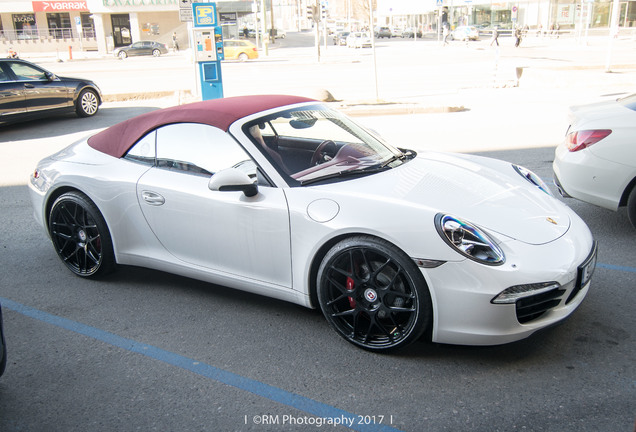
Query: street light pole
column 613, row 33
column 375, row 64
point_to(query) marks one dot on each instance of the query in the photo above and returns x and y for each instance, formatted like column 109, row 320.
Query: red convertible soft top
column 220, row 113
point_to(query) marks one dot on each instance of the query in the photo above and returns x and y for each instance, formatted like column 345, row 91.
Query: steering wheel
column 324, row 152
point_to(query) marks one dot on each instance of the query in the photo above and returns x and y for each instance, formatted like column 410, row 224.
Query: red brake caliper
column 351, row 287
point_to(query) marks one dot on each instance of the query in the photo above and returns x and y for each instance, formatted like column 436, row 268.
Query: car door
column 138, row 48
column 12, row 96
column 229, row 49
column 226, row 232
column 42, row 89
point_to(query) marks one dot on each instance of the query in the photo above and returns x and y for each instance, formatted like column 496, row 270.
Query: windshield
column 629, row 102
column 313, row 143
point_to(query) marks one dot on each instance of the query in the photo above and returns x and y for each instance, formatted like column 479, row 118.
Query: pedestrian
column 446, row 32
column 495, row 36
column 11, row 53
column 175, row 42
column 246, row 32
column 518, row 34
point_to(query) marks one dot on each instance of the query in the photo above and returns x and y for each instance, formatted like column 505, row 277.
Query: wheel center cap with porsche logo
column 370, row 295
column 82, row 235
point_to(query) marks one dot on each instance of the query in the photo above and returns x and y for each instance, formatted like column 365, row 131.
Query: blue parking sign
column 204, row 14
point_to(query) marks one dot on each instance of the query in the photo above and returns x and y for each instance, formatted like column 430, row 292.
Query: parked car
column 465, row 33
column 28, row 91
column 141, row 48
column 410, row 33
column 396, row 32
column 3, row 347
column 383, row 32
column 359, row 40
column 239, row 49
column 340, row 38
column 391, row 245
column 280, row 34
column 596, row 162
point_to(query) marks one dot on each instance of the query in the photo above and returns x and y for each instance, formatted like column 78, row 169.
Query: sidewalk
column 412, row 76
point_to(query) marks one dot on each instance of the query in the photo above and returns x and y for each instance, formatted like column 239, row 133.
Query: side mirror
column 50, row 76
column 232, row 179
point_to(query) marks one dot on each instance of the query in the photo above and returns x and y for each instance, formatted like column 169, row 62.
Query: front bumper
column 463, row 292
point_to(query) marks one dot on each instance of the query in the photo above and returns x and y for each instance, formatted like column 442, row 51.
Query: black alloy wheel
column 80, row 235
column 373, row 294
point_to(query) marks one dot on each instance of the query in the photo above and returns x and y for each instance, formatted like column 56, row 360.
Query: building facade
column 103, row 25
column 535, row 14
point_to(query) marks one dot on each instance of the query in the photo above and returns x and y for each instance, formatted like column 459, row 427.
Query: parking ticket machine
column 208, row 50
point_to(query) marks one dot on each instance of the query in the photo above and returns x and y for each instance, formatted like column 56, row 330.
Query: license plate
column 586, row 270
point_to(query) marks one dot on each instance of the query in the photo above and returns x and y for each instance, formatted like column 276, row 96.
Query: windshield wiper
column 347, row 173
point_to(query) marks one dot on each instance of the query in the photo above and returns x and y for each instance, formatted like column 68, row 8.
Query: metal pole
column 375, row 64
column 264, row 27
column 613, row 33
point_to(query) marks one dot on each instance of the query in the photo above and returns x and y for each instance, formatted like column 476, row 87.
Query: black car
column 28, row 91
column 3, row 347
column 141, row 48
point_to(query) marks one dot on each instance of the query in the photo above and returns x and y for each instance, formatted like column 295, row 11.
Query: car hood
column 483, row 191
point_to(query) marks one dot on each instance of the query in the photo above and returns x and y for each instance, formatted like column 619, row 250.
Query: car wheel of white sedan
column 631, row 207
column 373, row 294
column 80, row 235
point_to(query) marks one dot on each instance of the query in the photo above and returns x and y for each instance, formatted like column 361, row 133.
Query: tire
column 631, row 207
column 122, row 55
column 373, row 294
column 80, row 235
column 242, row 57
column 87, row 103
column 156, row 53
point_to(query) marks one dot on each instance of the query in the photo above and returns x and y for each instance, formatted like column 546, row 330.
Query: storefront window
column 25, row 27
column 88, row 26
column 59, row 25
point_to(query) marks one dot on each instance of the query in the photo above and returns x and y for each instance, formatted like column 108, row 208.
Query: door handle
column 29, row 86
column 153, row 198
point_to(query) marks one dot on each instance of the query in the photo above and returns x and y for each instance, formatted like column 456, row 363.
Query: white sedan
column 596, row 162
column 359, row 40
column 285, row 197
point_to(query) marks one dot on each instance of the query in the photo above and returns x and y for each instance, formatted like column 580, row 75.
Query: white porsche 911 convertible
column 285, row 197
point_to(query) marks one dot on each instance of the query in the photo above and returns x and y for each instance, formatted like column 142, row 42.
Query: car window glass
column 3, row 75
column 144, row 150
column 629, row 102
column 27, row 73
column 198, row 149
column 309, row 142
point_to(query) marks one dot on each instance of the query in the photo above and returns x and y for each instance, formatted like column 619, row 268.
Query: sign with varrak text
column 60, row 6
column 204, row 14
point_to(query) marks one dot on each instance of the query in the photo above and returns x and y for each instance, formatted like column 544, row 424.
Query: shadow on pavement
column 64, row 124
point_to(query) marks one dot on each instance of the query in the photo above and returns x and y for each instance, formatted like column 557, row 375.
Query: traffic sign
column 204, row 14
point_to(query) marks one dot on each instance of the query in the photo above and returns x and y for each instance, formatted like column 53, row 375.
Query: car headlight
column 469, row 240
column 532, row 178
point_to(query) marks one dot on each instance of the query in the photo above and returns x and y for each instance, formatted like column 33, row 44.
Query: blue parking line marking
column 292, row 400
column 614, row 267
